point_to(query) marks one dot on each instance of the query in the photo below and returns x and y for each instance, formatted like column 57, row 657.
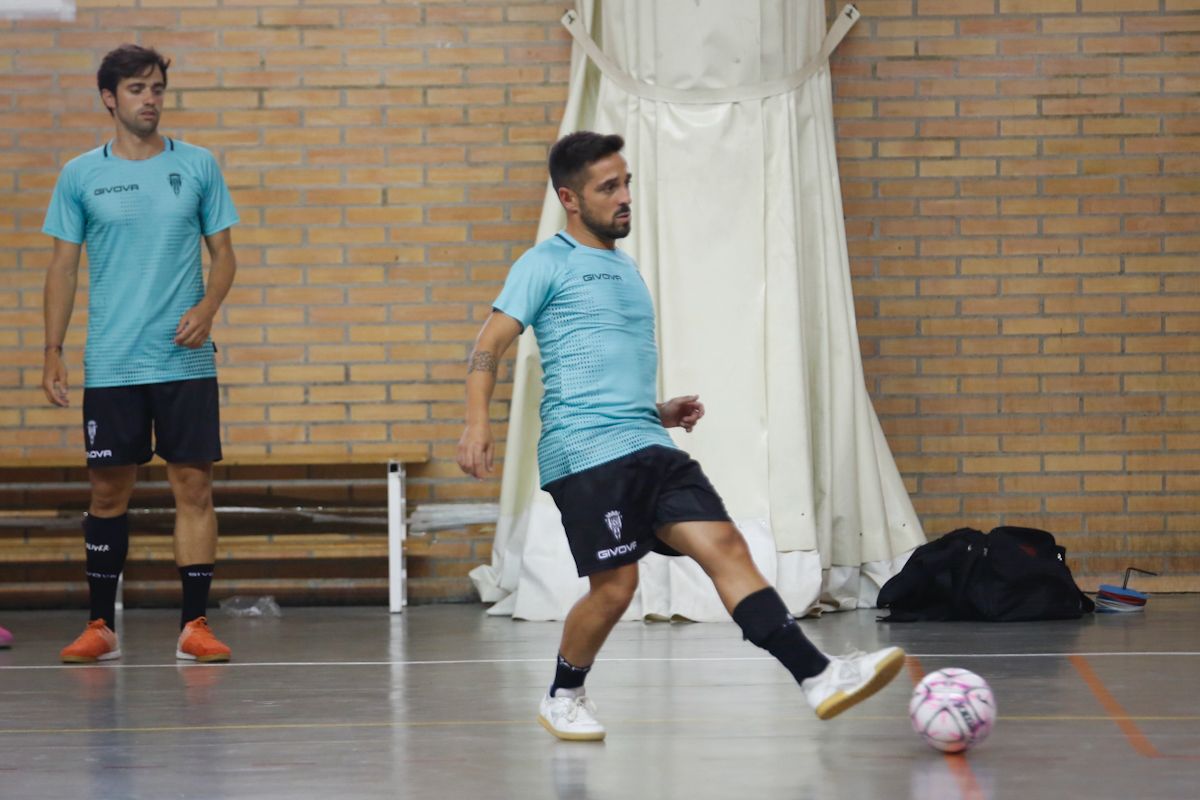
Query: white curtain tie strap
column 573, row 22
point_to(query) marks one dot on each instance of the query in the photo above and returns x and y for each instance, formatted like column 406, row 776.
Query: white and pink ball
column 952, row 710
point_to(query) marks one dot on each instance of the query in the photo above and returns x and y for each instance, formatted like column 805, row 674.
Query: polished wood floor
column 440, row 703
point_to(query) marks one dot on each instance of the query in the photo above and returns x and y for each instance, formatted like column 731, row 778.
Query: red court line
column 960, row 768
column 1114, row 709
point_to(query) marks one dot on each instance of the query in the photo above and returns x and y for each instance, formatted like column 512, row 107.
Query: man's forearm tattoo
column 482, row 361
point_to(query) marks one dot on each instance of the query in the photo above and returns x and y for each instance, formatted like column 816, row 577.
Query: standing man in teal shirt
column 142, row 203
column 621, row 485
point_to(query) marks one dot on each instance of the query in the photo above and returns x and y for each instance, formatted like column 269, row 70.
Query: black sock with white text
column 568, row 676
column 196, row 580
column 107, row 543
column 766, row 622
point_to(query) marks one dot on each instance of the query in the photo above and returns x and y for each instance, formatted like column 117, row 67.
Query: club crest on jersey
column 613, row 520
column 176, row 182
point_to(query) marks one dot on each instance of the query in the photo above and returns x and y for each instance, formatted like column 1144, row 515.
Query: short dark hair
column 128, row 61
column 575, row 152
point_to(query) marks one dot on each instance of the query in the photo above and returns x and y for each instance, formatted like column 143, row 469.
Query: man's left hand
column 681, row 412
column 194, row 327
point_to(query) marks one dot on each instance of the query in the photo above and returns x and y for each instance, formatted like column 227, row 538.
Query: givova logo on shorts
column 619, row 550
column 92, row 452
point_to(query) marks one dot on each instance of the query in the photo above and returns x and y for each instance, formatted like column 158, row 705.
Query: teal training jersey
column 594, row 322
column 142, row 222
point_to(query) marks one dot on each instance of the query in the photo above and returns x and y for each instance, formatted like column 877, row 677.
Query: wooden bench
column 30, row 506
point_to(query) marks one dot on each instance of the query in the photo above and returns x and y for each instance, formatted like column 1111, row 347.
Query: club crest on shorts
column 613, row 520
column 176, row 182
column 91, row 431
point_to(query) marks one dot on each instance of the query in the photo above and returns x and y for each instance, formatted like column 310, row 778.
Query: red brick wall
column 1020, row 181
column 1020, row 186
column 387, row 163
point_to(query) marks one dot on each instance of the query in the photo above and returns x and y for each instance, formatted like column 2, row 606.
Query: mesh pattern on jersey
column 142, row 228
column 599, row 359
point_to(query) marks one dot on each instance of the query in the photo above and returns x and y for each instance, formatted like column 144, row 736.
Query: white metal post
column 397, row 533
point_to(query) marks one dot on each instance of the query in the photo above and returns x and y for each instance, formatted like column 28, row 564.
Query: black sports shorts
column 117, row 421
column 612, row 511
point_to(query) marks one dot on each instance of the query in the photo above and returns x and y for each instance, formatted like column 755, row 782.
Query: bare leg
column 566, row 711
column 195, row 517
column 721, row 551
column 195, row 548
column 758, row 610
column 593, row 617
column 111, row 489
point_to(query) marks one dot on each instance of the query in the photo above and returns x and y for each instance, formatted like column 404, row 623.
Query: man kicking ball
column 604, row 453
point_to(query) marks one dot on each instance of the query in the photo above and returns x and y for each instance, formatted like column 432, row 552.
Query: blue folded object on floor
column 1121, row 599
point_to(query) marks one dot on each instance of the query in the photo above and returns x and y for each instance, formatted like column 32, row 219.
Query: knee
column 193, row 492
column 729, row 546
column 109, row 503
column 110, row 498
column 714, row 545
column 615, row 595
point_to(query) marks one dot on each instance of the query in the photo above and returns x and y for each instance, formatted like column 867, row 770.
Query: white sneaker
column 850, row 679
column 571, row 716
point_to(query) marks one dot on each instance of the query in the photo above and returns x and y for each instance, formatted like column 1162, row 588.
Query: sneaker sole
column 570, row 737
column 109, row 656
column 885, row 670
column 182, row 656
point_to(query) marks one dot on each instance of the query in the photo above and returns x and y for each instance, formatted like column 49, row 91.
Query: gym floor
column 440, row 703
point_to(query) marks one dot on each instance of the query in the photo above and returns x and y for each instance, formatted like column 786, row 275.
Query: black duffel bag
column 1009, row 575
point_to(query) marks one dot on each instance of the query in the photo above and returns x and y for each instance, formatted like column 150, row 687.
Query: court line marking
column 857, row 717
column 1116, row 712
column 266, row 726
column 542, row 660
column 957, row 763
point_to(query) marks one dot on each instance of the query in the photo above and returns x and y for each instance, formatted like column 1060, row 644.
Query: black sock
column 568, row 676
column 107, row 543
column 196, row 579
column 765, row 621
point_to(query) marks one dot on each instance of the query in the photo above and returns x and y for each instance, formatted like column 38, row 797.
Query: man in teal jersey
column 142, row 202
column 622, row 487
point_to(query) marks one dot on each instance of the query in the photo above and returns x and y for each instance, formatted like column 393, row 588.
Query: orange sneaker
column 96, row 643
column 197, row 643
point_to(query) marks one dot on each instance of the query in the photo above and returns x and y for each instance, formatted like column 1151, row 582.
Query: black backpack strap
column 976, row 548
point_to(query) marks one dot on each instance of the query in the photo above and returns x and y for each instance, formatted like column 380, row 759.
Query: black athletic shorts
column 117, row 422
column 612, row 511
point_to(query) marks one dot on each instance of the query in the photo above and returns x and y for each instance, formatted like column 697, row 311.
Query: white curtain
column 739, row 235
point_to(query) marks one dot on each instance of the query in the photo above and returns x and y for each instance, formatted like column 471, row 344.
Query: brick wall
column 387, row 163
column 1019, row 180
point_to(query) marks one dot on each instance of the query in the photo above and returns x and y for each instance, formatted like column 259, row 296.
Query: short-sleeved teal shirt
column 594, row 321
column 142, row 222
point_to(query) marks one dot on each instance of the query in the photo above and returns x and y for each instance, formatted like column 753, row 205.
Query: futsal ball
column 952, row 710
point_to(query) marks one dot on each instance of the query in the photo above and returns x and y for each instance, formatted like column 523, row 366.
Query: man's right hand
column 475, row 450
column 54, row 379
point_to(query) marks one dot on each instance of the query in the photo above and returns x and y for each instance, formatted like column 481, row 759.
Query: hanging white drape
column 739, row 235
